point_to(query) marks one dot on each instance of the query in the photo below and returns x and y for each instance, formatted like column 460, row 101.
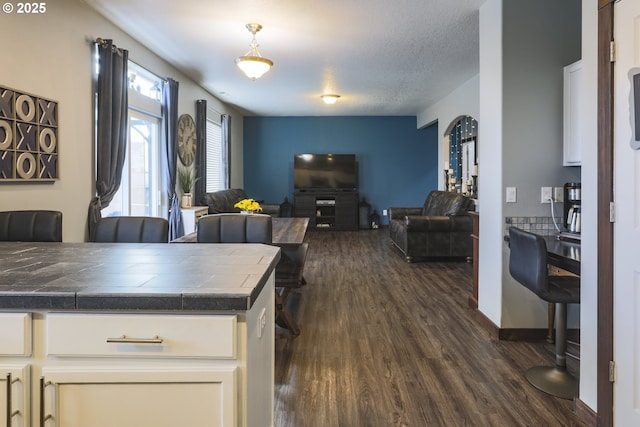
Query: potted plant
column 186, row 178
column 248, row 206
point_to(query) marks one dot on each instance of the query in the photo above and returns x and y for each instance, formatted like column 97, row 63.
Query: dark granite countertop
column 133, row 276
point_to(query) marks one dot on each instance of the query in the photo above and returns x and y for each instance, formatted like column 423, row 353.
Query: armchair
column 440, row 228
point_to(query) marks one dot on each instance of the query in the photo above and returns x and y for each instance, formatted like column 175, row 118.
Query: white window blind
column 214, row 157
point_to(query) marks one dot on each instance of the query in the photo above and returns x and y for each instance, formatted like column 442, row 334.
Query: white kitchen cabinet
column 133, row 394
column 98, row 369
column 15, row 344
column 14, row 395
column 572, row 126
column 194, row 348
column 139, row 396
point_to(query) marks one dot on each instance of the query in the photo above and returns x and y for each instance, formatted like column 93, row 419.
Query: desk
column 563, row 254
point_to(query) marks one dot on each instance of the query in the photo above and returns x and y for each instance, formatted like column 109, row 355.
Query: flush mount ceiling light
column 329, row 98
column 252, row 63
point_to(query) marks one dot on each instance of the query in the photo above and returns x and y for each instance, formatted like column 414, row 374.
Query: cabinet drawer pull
column 43, row 417
column 129, row 340
column 9, row 403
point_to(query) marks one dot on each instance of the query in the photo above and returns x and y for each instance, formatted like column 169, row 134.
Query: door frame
column 605, row 226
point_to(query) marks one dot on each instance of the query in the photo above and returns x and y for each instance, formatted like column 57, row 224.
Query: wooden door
column 626, row 237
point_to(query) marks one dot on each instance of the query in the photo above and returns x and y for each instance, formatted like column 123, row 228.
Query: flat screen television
column 325, row 172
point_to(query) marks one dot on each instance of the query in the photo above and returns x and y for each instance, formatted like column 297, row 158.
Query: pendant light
column 252, row 63
column 330, row 98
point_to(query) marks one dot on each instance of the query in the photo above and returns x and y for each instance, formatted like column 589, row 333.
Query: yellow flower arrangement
column 248, row 205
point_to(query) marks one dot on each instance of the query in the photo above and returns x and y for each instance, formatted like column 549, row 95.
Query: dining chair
column 31, row 226
column 131, row 229
column 235, row 228
column 528, row 265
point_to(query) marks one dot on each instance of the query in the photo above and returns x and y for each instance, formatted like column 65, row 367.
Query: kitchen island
column 137, row 334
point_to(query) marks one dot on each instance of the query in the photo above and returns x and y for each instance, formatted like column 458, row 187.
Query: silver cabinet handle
column 129, row 340
column 43, row 418
column 10, row 414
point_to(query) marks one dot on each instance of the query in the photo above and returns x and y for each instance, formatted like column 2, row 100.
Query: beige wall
column 49, row 55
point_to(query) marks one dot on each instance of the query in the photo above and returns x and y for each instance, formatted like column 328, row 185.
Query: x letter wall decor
column 28, row 137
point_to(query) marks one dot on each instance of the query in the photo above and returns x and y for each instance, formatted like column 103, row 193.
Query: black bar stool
column 528, row 265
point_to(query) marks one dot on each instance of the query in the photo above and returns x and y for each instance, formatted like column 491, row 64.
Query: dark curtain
column 225, row 121
column 200, row 187
column 111, row 121
column 170, row 150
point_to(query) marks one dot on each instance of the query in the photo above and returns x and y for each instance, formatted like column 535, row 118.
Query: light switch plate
column 558, row 194
column 511, row 195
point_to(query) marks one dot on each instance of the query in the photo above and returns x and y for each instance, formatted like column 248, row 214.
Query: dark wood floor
column 386, row 343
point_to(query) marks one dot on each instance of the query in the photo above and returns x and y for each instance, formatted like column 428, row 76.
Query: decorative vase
column 186, row 200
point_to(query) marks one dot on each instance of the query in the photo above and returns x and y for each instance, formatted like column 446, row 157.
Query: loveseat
column 222, row 202
column 440, row 228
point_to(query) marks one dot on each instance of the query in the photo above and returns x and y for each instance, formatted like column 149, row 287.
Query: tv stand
column 328, row 210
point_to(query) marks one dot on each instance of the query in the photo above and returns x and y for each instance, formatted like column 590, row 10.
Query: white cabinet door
column 572, row 150
column 14, row 395
column 136, row 396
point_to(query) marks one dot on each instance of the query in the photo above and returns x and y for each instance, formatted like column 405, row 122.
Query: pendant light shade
column 330, row 98
column 252, row 63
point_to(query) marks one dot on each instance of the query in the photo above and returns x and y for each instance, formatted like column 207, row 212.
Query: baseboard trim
column 585, row 413
column 519, row 334
column 487, row 325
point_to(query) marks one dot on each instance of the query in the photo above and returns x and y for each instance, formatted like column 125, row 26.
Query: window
column 215, row 170
column 140, row 188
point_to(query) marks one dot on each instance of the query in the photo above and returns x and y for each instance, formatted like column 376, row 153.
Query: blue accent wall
column 397, row 163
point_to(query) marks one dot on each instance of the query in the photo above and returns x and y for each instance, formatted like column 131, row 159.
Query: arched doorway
column 461, row 156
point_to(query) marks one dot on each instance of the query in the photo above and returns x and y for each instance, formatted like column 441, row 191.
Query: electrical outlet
column 384, row 212
column 511, row 195
column 558, row 194
column 545, row 194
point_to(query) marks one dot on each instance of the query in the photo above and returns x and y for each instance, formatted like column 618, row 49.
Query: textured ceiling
column 383, row 57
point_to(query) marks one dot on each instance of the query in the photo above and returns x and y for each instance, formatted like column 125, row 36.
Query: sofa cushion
column 446, row 203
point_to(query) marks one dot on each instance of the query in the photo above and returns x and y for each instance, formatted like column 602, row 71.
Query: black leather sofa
column 31, row 226
column 440, row 228
column 222, row 202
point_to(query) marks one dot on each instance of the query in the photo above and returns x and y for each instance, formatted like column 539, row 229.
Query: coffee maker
column 572, row 208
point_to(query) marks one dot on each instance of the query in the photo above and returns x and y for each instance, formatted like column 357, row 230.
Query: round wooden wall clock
column 186, row 139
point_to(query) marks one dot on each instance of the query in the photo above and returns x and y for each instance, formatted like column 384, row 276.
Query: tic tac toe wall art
column 28, row 137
